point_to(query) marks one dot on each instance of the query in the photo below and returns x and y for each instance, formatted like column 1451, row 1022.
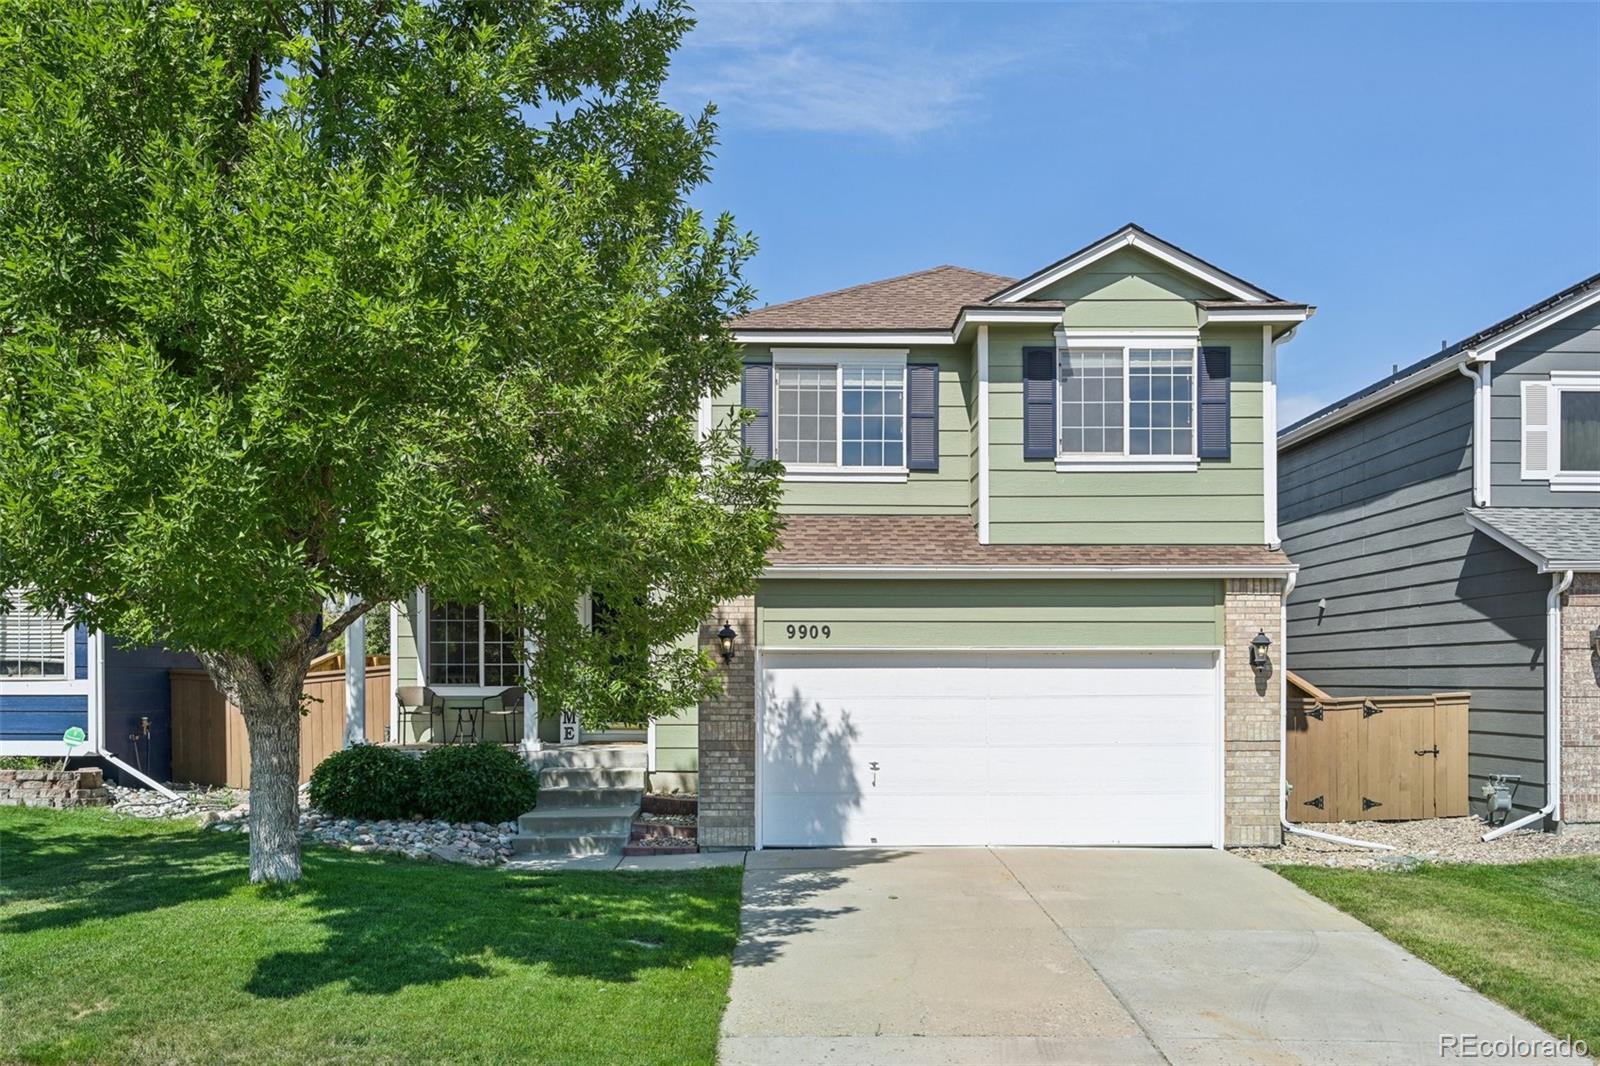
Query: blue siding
column 40, row 718
column 136, row 687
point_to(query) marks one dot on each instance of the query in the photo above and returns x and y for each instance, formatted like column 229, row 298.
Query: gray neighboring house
column 1446, row 521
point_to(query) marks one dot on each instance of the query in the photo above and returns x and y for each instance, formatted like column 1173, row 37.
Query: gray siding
column 1416, row 601
column 1572, row 344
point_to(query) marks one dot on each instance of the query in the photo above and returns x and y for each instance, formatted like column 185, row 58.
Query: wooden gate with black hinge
column 1376, row 758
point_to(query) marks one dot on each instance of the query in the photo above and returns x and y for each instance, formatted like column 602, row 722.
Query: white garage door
column 900, row 749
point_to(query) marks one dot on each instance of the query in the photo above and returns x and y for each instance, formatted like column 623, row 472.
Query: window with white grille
column 33, row 646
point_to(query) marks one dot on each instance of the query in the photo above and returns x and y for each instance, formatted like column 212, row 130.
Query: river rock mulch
column 225, row 810
column 1429, row 840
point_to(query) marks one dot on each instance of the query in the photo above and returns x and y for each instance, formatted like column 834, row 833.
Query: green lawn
column 125, row 941
column 1526, row 935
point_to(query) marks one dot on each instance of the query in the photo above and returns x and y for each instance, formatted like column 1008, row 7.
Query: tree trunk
column 268, row 696
column 274, row 729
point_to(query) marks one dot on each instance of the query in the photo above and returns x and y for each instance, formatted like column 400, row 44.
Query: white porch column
column 530, row 702
column 355, row 680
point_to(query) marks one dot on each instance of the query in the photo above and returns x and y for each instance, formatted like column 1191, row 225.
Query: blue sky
column 1417, row 171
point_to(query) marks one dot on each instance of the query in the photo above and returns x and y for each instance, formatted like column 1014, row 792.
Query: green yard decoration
column 302, row 301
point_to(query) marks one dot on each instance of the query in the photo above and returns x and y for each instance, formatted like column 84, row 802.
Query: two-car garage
column 922, row 747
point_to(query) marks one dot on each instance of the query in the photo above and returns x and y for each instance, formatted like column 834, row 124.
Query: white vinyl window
column 467, row 646
column 840, row 413
column 1130, row 403
column 1561, row 431
column 34, row 646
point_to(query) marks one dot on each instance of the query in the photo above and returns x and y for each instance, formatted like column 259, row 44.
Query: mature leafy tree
column 307, row 300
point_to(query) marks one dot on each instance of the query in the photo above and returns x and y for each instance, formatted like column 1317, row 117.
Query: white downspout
column 1479, row 374
column 1559, row 583
column 1283, row 739
column 149, row 781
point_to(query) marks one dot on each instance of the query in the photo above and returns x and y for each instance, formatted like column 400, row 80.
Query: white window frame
column 1087, row 462
column 68, row 684
column 424, row 636
column 1564, row 381
column 840, row 359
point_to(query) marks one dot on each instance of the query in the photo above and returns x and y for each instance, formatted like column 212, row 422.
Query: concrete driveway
column 1045, row 955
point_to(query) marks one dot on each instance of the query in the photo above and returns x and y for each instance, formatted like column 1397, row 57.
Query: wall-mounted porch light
column 1258, row 650
column 725, row 638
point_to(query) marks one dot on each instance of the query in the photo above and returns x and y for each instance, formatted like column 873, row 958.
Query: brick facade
column 1580, row 701
column 1252, row 720
column 727, row 817
column 1251, row 753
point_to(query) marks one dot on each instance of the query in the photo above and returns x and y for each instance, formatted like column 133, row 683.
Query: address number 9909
column 807, row 632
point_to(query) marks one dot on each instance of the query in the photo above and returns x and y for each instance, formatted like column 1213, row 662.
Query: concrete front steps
column 588, row 797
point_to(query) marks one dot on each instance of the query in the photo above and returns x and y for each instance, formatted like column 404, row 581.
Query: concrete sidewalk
column 617, row 861
column 1046, row 955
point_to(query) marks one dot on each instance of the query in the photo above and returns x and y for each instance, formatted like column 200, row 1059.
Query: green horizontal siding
column 1032, row 503
column 947, row 490
column 984, row 613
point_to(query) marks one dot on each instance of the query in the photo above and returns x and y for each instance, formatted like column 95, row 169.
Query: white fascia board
column 1002, row 316
column 823, row 337
column 1253, row 317
column 981, row 572
column 1523, row 330
column 1484, row 352
column 1131, row 239
column 1426, row 376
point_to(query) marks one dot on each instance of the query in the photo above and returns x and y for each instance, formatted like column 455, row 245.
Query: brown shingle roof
column 928, row 299
column 950, row 540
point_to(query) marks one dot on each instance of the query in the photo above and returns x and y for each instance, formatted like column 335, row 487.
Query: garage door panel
column 989, row 748
column 1101, row 770
column 1050, row 721
column 1160, row 820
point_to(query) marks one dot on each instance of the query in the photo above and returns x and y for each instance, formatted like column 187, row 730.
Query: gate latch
column 1434, row 751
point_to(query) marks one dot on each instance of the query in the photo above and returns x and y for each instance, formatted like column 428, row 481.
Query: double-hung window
column 1128, row 402
column 468, row 646
column 34, row 646
column 1561, row 430
column 836, row 413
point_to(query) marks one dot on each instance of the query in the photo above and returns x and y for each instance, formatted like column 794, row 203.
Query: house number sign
column 808, row 632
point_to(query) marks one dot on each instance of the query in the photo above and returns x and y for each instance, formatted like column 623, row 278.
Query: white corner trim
column 1111, row 464
column 847, row 474
column 97, row 693
column 1127, row 237
column 394, row 669
column 1269, row 454
column 983, row 434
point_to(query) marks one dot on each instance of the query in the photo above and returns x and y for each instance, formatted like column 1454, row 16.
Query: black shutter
column 1038, row 403
column 922, row 416
column 755, row 394
column 1213, row 435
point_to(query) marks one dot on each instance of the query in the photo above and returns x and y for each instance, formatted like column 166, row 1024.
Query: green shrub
column 476, row 783
column 367, row 781
column 21, row 762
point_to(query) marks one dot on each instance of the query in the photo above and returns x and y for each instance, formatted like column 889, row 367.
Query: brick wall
column 1253, row 714
column 53, row 788
column 728, row 735
column 1580, row 701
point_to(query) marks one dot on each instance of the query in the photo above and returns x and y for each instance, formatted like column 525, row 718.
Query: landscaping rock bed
column 227, row 810
column 1429, row 840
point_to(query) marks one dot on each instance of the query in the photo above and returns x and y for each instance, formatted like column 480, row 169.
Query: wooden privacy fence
column 1376, row 758
column 209, row 744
